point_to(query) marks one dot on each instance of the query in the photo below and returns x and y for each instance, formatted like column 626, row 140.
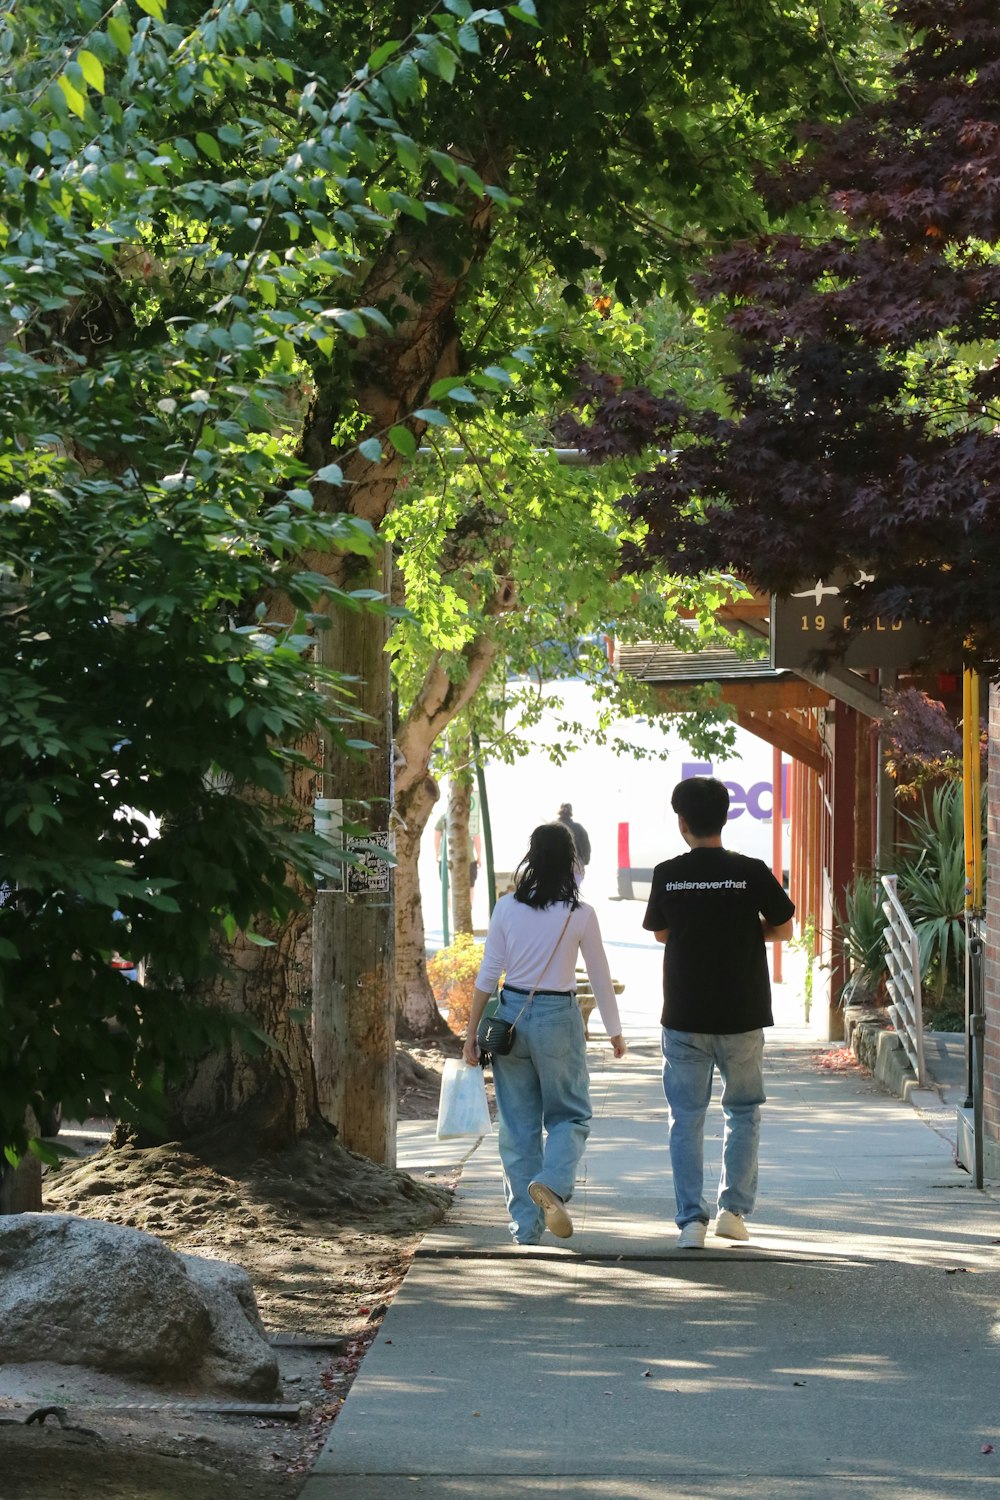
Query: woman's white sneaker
column 731, row 1226
column 692, row 1236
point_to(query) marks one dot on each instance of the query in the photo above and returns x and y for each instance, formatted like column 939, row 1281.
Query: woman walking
column 542, row 1086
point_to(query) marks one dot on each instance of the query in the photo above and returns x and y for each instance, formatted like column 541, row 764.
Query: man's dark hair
column 703, row 803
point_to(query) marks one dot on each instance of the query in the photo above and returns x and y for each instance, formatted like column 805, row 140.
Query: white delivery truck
column 647, row 826
column 622, row 800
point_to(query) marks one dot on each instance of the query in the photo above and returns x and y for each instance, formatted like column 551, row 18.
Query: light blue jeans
column 543, row 1104
column 689, row 1062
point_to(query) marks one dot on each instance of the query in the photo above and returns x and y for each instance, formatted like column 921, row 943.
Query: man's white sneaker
column 731, row 1226
column 557, row 1220
column 692, row 1236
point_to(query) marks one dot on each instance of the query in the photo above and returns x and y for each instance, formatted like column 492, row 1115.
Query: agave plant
column 932, row 886
column 862, row 929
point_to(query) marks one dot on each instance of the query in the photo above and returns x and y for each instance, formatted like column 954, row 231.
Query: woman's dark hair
column 545, row 874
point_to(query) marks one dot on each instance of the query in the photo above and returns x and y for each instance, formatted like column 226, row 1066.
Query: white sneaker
column 557, row 1220
column 731, row 1226
column 692, row 1236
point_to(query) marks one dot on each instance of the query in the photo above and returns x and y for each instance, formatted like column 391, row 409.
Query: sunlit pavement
column 851, row 1349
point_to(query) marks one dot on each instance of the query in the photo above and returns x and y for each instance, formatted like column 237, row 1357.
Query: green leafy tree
column 165, row 567
column 249, row 212
column 629, row 137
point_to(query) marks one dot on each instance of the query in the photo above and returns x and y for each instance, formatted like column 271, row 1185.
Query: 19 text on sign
column 804, row 624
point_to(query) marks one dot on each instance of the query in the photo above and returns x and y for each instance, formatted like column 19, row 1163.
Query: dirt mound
column 326, row 1236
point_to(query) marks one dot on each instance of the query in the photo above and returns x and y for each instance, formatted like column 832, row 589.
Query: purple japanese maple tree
column 861, row 433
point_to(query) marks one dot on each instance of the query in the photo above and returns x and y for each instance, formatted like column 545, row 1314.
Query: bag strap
column 537, row 984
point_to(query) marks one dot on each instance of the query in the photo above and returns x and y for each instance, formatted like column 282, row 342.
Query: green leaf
column 446, row 165
column 208, row 145
column 472, row 180
column 406, row 150
column 382, row 55
column 403, row 441
column 120, row 33
column 441, row 60
column 330, row 474
column 351, row 322
column 403, row 80
column 444, row 386
column 92, row 70
column 73, row 97
column 152, row 8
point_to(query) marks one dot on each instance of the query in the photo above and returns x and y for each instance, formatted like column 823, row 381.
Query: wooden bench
column 585, row 997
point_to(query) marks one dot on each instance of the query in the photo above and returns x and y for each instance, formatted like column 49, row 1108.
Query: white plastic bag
column 462, row 1109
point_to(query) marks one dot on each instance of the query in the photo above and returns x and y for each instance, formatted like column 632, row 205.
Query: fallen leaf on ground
column 836, row 1060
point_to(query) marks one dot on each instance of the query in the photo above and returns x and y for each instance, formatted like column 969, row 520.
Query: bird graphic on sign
column 817, row 592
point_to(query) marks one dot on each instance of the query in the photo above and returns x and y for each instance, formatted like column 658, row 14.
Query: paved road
column 850, row 1350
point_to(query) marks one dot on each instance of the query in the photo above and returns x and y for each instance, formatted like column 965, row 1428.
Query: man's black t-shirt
column 715, row 976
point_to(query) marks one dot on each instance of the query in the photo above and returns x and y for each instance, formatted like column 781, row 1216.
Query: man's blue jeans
column 543, row 1103
column 689, row 1062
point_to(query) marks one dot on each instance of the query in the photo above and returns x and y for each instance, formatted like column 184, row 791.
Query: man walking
column 714, row 910
column 580, row 838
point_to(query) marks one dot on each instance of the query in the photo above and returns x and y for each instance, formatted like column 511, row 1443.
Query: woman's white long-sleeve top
column 521, row 938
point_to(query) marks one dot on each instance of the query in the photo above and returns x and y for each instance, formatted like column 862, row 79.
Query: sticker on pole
column 374, row 854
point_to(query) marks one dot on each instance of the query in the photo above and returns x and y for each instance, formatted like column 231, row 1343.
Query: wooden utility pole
column 354, row 1029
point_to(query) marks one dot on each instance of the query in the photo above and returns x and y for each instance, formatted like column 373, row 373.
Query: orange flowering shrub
column 452, row 972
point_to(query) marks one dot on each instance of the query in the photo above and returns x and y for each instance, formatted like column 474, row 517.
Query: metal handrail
column 902, row 952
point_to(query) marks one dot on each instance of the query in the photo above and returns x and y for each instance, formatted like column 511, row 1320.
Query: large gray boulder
column 81, row 1292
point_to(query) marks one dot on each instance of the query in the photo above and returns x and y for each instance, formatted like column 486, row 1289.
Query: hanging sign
column 804, row 624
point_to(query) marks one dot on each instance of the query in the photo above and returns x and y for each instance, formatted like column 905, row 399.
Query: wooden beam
column 775, row 695
column 850, row 689
column 780, row 694
column 785, row 735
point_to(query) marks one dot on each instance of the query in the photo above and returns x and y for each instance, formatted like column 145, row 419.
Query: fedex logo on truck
column 757, row 800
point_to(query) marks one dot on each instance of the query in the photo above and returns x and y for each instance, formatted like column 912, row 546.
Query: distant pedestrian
column 714, row 910
column 475, row 845
column 581, row 839
column 542, row 1084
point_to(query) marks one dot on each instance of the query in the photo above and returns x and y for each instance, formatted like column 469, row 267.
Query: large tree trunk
column 271, row 1090
column 354, row 1003
column 416, row 1008
column 354, row 1032
column 389, row 377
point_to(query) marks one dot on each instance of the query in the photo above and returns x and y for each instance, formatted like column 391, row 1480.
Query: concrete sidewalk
column 852, row 1349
